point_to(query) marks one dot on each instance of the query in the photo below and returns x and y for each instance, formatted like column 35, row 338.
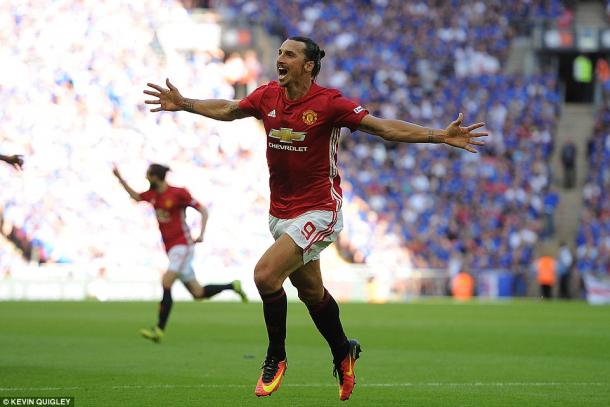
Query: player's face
column 152, row 180
column 291, row 64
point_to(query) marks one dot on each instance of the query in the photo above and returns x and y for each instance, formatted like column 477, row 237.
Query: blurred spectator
column 191, row 4
column 29, row 248
column 546, row 275
column 565, row 20
column 237, row 74
column 254, row 70
column 551, row 201
column 564, row 269
column 568, row 161
column 602, row 70
column 462, row 286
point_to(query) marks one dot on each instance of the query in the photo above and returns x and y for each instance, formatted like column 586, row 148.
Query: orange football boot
column 345, row 370
column 271, row 378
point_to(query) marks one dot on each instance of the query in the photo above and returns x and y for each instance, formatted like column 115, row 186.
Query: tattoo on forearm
column 430, row 136
column 234, row 112
column 188, row 105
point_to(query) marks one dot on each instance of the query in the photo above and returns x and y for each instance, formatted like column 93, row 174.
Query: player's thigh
column 180, row 262
column 281, row 259
column 307, row 279
column 312, row 231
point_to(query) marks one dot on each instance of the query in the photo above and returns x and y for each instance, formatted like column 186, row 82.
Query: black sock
column 165, row 306
column 325, row 315
column 211, row 290
column 275, row 308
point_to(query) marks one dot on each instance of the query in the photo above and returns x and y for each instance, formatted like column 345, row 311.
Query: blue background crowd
column 419, row 205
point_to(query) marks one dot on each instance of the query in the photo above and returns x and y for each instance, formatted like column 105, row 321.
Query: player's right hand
column 169, row 100
column 16, row 161
column 116, row 172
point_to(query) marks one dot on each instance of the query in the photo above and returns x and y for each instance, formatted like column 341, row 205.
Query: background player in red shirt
column 14, row 160
column 170, row 205
column 302, row 121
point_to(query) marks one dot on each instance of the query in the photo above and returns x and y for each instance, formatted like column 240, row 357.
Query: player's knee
column 311, row 296
column 265, row 279
column 168, row 280
column 198, row 294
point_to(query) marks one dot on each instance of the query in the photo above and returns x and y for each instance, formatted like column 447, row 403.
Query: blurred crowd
column 71, row 95
column 72, row 103
column 424, row 62
column 593, row 237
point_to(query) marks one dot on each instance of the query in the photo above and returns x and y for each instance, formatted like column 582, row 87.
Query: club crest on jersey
column 168, row 203
column 309, row 117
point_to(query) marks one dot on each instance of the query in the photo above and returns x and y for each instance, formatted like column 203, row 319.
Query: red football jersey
column 302, row 142
column 170, row 208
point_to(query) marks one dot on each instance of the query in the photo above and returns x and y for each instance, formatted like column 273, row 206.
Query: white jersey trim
column 333, row 170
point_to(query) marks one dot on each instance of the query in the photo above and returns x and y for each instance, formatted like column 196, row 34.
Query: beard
column 153, row 185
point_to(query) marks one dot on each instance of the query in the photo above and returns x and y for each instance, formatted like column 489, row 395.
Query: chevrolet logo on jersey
column 286, row 135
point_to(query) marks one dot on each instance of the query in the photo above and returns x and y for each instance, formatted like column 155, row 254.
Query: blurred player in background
column 170, row 205
column 14, row 160
column 303, row 121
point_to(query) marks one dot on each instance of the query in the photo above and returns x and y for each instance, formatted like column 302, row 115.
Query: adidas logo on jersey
column 271, row 113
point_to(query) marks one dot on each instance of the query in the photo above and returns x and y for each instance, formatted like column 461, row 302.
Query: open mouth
column 282, row 72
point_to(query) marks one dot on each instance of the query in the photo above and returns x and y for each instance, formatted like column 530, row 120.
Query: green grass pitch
column 432, row 353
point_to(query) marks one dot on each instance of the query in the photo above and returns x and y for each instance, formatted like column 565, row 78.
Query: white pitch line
column 429, row 384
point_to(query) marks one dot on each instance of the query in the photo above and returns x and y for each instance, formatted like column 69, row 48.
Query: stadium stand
column 72, row 103
column 431, row 67
column 593, row 237
column 406, row 206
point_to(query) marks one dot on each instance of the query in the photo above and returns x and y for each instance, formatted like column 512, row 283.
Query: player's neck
column 162, row 187
column 296, row 90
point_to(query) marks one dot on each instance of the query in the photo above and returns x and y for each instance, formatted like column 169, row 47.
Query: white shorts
column 180, row 259
column 312, row 231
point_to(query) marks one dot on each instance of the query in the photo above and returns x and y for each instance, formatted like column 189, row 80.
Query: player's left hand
column 199, row 239
column 463, row 137
column 169, row 100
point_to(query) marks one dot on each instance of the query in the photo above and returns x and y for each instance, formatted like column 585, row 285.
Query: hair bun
column 322, row 53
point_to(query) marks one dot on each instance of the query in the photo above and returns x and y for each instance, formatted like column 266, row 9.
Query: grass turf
column 422, row 354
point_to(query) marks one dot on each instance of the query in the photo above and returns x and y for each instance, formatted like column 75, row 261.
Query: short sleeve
column 347, row 113
column 251, row 104
column 147, row 195
column 187, row 200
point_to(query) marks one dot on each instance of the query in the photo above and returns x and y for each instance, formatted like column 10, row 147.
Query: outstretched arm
column 14, row 160
column 171, row 100
column 397, row 130
column 132, row 193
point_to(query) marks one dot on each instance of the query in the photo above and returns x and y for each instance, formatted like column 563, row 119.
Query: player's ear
column 309, row 65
